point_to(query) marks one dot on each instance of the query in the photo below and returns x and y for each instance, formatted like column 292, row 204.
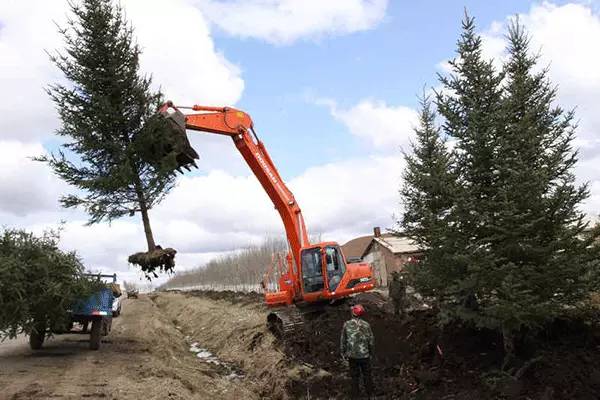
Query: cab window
column 312, row 275
column 335, row 266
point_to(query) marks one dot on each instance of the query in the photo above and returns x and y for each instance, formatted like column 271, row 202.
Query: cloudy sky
column 331, row 86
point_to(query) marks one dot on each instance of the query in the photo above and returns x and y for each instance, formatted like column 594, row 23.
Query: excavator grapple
column 185, row 155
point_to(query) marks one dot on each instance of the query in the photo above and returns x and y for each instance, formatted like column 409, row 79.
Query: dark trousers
column 358, row 367
column 398, row 306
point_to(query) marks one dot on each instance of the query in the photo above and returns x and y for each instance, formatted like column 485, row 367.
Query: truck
column 97, row 309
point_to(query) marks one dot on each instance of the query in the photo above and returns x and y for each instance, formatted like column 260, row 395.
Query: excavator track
column 285, row 322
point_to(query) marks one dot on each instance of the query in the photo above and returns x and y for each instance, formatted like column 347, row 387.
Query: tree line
column 240, row 268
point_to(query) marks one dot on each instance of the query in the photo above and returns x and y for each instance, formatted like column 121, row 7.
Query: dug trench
column 414, row 358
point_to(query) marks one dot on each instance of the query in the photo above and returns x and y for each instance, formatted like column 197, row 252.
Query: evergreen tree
column 512, row 251
column 427, row 196
column 108, row 121
column 543, row 261
column 38, row 283
column 469, row 105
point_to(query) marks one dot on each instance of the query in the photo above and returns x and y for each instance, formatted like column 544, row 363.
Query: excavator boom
column 238, row 125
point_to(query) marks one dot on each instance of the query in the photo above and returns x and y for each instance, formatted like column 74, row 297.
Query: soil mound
column 414, row 358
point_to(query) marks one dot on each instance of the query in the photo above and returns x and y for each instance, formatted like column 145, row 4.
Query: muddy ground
column 147, row 355
column 415, row 359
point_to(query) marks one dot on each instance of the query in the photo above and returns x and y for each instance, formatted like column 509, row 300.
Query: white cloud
column 178, row 52
column 206, row 216
column 344, row 199
column 26, row 185
column 285, row 21
column 27, row 30
column 381, row 125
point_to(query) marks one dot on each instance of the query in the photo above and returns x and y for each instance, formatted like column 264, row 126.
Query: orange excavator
column 312, row 274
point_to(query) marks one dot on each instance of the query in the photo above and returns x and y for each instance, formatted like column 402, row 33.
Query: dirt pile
column 414, row 358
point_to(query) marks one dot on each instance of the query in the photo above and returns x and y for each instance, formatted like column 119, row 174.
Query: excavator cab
column 322, row 269
column 326, row 275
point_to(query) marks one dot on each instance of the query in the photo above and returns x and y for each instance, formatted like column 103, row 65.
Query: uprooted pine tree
column 116, row 150
column 497, row 213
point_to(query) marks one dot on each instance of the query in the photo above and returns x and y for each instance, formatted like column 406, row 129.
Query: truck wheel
column 95, row 334
column 36, row 339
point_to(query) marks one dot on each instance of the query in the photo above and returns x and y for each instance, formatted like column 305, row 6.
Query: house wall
column 385, row 262
column 375, row 258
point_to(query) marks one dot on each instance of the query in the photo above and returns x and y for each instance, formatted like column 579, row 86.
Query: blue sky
column 332, row 87
column 392, row 62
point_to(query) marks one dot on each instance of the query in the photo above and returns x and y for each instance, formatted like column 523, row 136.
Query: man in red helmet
column 356, row 346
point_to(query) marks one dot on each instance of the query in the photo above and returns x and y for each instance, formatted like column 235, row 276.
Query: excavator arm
column 239, row 126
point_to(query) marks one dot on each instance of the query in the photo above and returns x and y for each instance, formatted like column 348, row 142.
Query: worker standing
column 356, row 346
column 397, row 292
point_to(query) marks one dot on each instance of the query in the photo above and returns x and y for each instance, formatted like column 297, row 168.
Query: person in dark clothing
column 356, row 346
column 397, row 292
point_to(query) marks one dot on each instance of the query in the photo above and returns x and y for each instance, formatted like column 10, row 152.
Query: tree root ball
column 158, row 259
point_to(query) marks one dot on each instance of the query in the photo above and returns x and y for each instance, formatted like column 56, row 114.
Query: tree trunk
column 145, row 218
column 508, row 339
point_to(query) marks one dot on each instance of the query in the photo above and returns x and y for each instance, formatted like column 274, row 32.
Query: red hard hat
column 357, row 310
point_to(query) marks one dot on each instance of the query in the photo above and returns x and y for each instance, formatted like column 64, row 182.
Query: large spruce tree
column 510, row 252
column 544, row 263
column 469, row 104
column 427, row 196
column 108, row 121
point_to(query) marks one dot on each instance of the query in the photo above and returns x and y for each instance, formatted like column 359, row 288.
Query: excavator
column 312, row 274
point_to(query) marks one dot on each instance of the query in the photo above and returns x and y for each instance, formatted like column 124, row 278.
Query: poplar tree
column 113, row 141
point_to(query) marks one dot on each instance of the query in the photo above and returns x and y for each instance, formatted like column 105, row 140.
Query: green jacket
column 357, row 339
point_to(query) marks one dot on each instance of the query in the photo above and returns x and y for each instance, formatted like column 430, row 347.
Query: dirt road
column 144, row 357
